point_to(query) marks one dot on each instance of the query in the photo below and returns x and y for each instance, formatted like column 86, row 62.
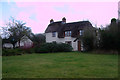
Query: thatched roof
column 74, row 27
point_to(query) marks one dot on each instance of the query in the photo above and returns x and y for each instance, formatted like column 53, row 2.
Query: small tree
column 110, row 38
column 89, row 39
column 38, row 38
column 16, row 29
column 19, row 30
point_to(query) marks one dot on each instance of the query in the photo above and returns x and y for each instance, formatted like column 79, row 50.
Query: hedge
column 53, row 47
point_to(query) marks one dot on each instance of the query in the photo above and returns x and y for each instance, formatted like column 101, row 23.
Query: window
column 68, row 42
column 53, row 34
column 81, row 32
column 67, row 33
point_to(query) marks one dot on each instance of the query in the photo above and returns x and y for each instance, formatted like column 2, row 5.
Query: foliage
column 17, row 51
column 53, row 47
column 11, row 52
column 109, row 36
column 19, row 30
column 38, row 39
column 16, row 30
column 28, row 50
column 89, row 39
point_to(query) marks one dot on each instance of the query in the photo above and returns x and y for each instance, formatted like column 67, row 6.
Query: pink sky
column 38, row 14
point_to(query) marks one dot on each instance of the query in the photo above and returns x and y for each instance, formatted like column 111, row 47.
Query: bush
column 88, row 43
column 10, row 52
column 53, row 47
column 110, row 37
column 89, row 39
column 28, row 50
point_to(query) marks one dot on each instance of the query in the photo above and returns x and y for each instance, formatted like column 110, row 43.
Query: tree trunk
column 13, row 46
column 19, row 43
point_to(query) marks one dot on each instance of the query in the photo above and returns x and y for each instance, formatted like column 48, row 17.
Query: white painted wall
column 24, row 41
column 49, row 39
column 7, row 45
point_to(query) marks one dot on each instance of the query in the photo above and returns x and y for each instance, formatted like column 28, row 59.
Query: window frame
column 54, row 34
column 81, row 32
column 67, row 33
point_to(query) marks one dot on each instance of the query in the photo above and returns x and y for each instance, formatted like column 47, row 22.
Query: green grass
column 60, row 65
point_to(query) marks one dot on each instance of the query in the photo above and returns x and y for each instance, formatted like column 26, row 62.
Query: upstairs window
column 53, row 34
column 67, row 33
column 81, row 32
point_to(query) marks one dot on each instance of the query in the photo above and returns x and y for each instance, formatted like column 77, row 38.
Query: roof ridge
column 71, row 22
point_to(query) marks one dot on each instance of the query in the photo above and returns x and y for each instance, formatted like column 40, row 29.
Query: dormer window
column 67, row 33
column 81, row 32
column 53, row 34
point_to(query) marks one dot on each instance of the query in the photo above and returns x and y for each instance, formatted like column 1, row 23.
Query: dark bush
column 89, row 39
column 28, row 50
column 64, row 47
column 110, row 37
column 53, row 47
column 88, row 43
column 11, row 52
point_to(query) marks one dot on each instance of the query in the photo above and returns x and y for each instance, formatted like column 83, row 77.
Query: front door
column 79, row 46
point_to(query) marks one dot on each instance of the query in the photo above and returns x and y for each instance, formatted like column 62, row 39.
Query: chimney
column 63, row 20
column 51, row 21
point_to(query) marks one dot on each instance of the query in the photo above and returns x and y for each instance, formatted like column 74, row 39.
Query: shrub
column 64, row 47
column 88, row 43
column 89, row 39
column 28, row 50
column 10, row 52
column 53, row 47
column 109, row 37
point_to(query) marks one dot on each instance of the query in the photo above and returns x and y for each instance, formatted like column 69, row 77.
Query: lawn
column 60, row 65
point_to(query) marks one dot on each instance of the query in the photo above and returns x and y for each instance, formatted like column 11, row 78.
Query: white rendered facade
column 24, row 42
column 50, row 39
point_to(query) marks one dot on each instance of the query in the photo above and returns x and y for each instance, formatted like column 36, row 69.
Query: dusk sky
column 37, row 14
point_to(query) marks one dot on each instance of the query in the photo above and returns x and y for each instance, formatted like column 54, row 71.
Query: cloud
column 38, row 14
column 26, row 4
column 60, row 0
column 62, row 9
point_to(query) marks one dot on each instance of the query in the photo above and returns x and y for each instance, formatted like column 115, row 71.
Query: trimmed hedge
column 53, row 47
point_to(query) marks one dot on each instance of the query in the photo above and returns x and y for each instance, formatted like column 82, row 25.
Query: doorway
column 79, row 45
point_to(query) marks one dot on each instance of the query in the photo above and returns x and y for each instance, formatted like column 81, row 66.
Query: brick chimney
column 63, row 20
column 51, row 21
